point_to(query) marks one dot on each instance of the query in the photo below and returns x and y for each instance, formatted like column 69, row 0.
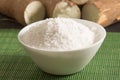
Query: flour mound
column 58, row 34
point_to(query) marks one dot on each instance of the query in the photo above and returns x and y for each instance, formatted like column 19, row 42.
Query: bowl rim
column 45, row 50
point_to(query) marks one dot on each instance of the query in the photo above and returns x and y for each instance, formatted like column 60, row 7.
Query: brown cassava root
column 24, row 11
column 104, row 12
column 61, row 8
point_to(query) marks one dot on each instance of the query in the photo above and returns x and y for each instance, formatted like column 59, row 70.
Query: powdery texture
column 59, row 34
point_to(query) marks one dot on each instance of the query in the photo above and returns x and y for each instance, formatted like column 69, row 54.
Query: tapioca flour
column 58, row 34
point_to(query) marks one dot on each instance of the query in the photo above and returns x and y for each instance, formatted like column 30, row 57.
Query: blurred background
column 6, row 22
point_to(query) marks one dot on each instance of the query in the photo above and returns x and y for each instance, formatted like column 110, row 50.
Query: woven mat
column 16, row 64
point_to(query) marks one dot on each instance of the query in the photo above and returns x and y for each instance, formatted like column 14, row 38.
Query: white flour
column 59, row 34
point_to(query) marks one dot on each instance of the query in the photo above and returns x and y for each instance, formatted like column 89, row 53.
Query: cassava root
column 103, row 12
column 61, row 8
column 24, row 11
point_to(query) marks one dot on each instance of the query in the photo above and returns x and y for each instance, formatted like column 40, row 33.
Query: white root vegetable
column 24, row 11
column 61, row 8
column 103, row 12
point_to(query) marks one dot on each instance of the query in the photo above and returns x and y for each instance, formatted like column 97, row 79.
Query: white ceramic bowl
column 65, row 62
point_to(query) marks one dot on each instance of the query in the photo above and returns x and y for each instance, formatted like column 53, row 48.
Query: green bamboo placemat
column 16, row 64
